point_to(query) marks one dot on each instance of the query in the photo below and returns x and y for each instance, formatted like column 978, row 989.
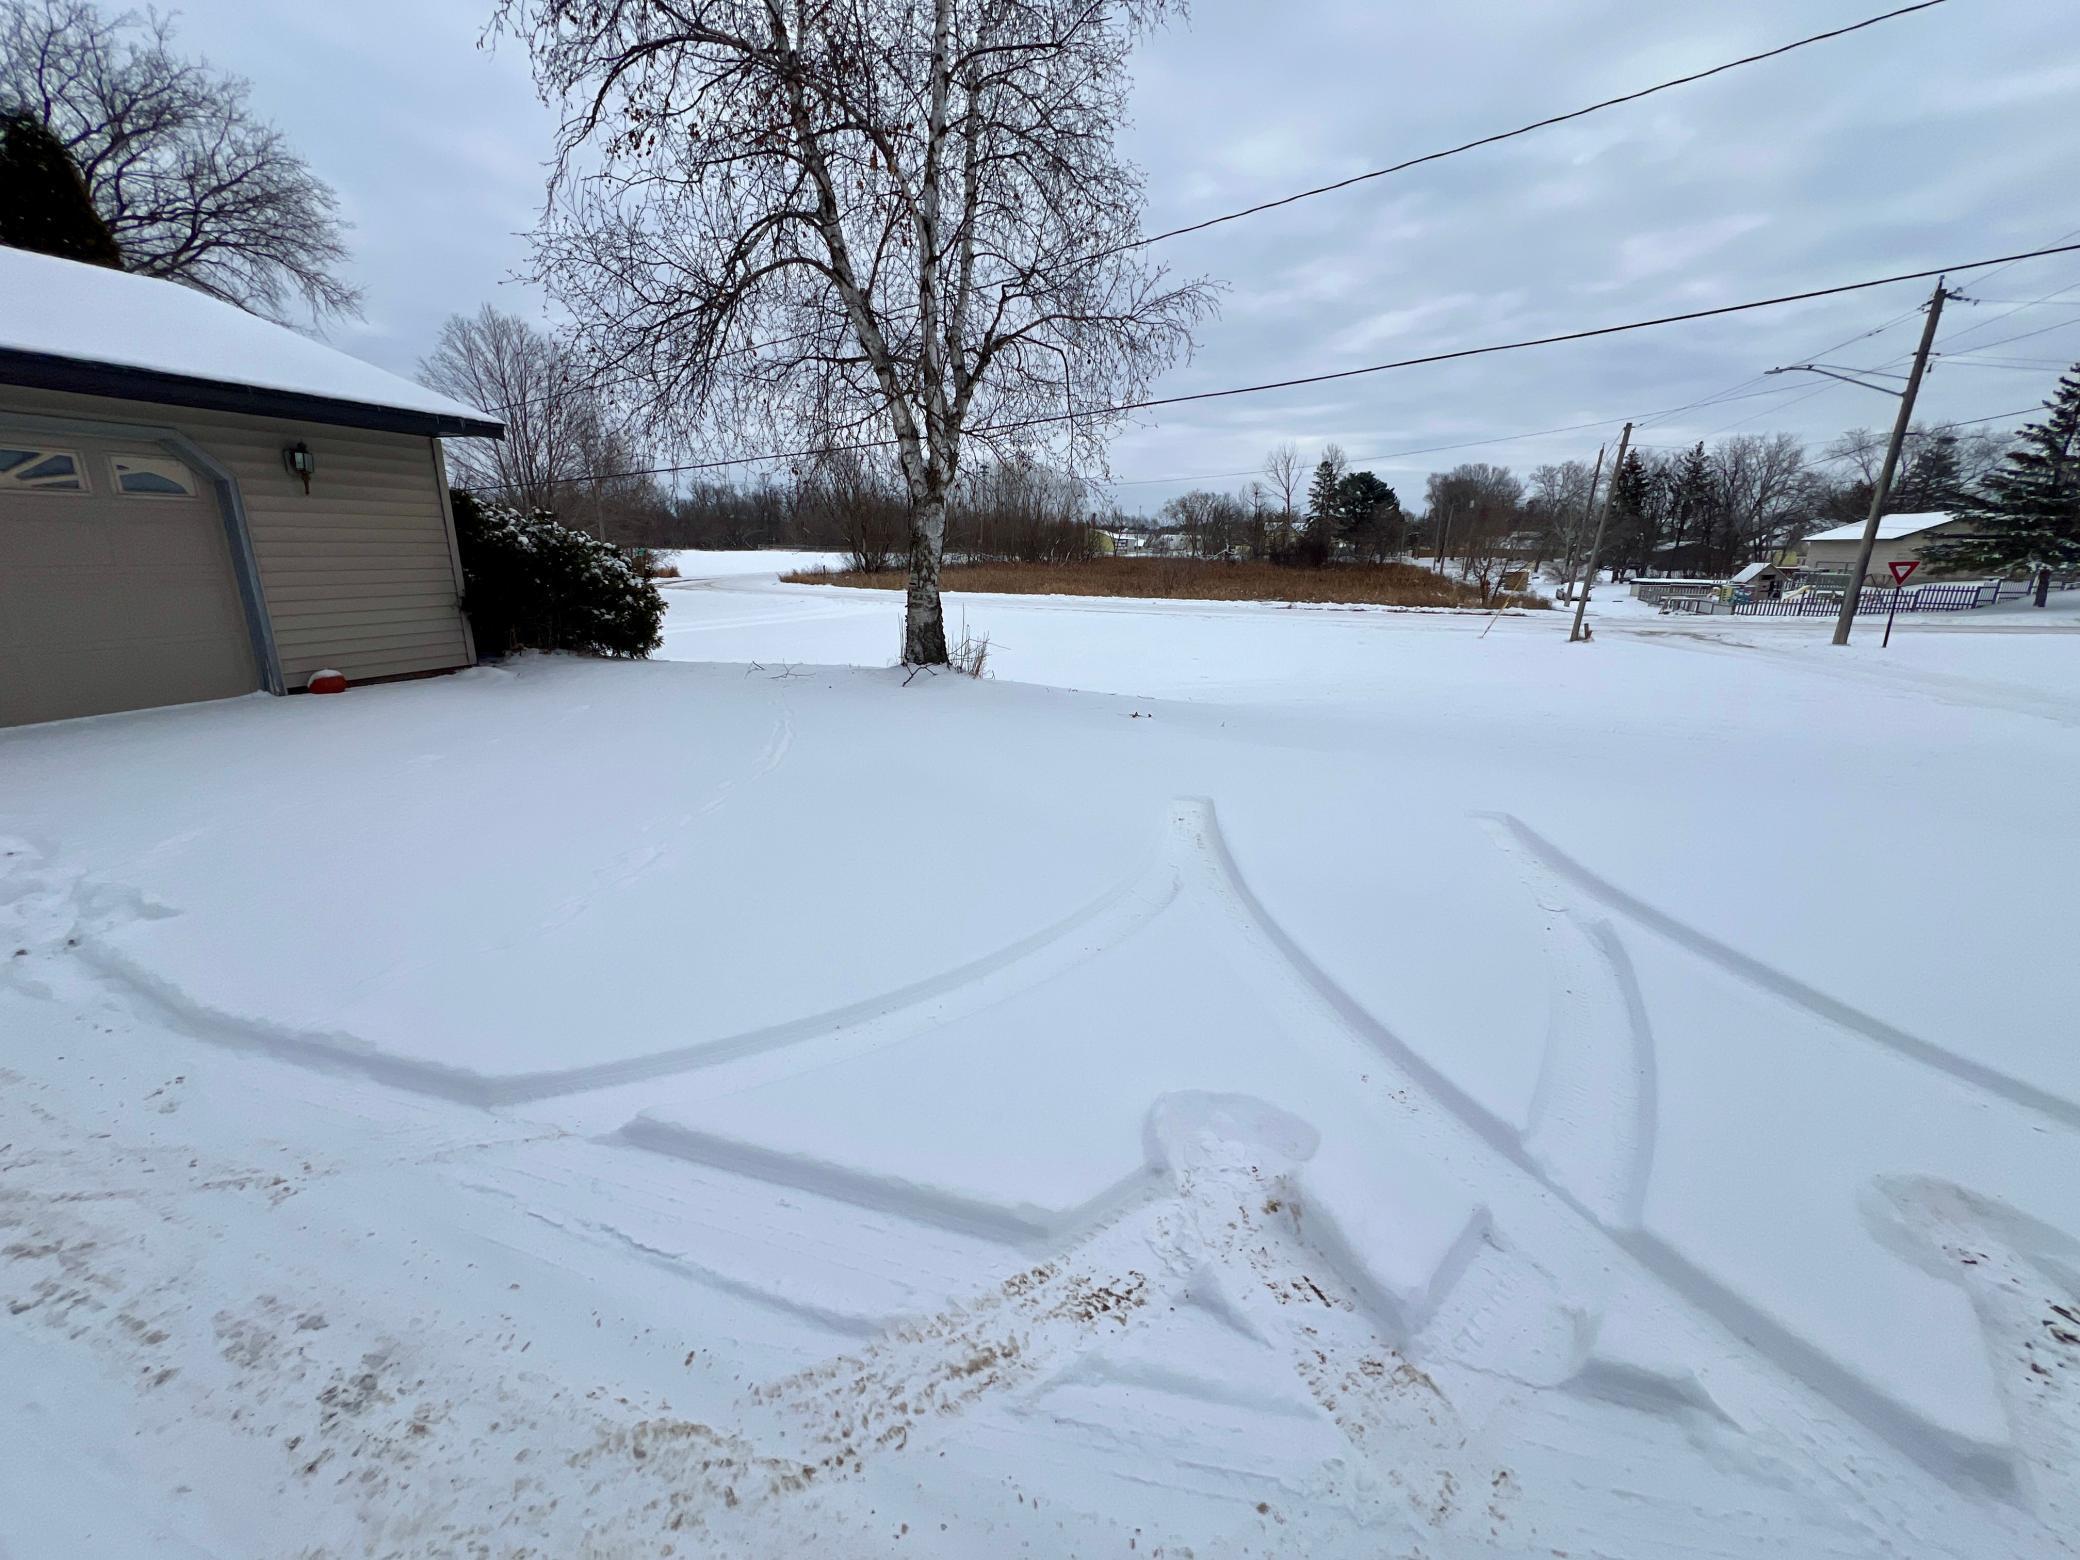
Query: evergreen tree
column 1322, row 505
column 1322, row 512
column 1629, row 534
column 44, row 205
column 1933, row 480
column 2027, row 511
column 1368, row 514
column 1690, row 496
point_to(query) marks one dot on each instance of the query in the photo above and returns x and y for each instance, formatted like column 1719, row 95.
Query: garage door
column 116, row 584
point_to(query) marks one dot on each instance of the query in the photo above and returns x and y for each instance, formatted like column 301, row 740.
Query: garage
column 117, row 586
column 196, row 503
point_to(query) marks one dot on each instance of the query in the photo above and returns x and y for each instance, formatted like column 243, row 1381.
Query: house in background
column 1685, row 560
column 196, row 503
column 1900, row 537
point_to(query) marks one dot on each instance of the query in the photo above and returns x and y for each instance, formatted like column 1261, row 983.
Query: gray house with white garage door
column 196, row 503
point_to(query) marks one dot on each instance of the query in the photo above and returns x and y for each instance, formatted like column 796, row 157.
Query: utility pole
column 1581, row 602
column 1852, row 593
column 1574, row 548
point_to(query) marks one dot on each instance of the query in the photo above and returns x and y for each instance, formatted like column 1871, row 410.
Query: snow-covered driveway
column 1345, row 1083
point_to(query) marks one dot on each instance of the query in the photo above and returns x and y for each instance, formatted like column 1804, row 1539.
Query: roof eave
column 48, row 371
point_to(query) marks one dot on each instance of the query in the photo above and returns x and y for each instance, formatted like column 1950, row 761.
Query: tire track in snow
column 634, row 862
column 1788, row 988
column 1593, row 1113
column 1023, row 1225
column 878, row 1019
column 1966, row 693
column 890, row 1015
column 1987, row 1468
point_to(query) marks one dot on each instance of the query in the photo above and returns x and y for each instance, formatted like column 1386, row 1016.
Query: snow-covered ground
column 749, row 562
column 1244, row 1081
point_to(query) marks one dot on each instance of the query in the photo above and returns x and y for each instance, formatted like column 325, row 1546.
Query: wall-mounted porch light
column 300, row 461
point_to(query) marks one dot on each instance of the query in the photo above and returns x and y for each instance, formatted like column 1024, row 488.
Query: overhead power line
column 1988, row 324
column 1973, row 422
column 1517, row 346
column 2042, row 330
column 1507, row 135
column 1879, row 330
column 753, row 348
column 2040, row 365
column 2018, row 367
column 1457, row 354
column 1755, row 379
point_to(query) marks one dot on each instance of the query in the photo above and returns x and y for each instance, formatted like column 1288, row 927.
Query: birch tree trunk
column 924, row 615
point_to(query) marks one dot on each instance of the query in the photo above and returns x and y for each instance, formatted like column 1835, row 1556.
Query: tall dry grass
column 1195, row 579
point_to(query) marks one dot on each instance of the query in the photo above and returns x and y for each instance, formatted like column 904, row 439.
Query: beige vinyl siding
column 1842, row 555
column 360, row 574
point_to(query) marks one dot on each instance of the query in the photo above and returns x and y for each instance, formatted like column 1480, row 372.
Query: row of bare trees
column 1694, row 509
column 574, row 448
column 1000, row 511
column 1009, row 511
column 1707, row 511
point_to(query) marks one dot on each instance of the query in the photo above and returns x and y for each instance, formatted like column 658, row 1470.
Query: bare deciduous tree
column 1211, row 524
column 854, row 495
column 501, row 364
column 1938, row 466
column 883, row 221
column 1019, row 510
column 1761, row 487
column 192, row 184
column 1282, row 469
column 1481, row 501
column 565, row 450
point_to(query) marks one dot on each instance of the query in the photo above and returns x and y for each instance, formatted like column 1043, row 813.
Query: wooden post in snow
column 1581, row 603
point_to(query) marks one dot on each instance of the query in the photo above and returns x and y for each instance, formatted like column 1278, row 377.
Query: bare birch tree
column 193, row 185
column 858, row 222
column 1282, row 470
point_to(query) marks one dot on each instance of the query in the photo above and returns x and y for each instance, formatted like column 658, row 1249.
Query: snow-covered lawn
column 1244, row 1081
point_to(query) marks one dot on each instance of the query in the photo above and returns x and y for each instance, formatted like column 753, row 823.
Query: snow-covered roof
column 69, row 326
column 1753, row 571
column 1890, row 527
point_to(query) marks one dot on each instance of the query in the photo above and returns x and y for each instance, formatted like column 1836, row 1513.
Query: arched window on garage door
column 152, row 476
column 41, row 470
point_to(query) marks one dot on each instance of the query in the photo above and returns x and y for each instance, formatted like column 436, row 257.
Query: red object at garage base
column 327, row 681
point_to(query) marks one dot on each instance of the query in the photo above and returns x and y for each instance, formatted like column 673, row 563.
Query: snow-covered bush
column 531, row 583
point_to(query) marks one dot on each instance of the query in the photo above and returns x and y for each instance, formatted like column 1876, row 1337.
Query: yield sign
column 1902, row 568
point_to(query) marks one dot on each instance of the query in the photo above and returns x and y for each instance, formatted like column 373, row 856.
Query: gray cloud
column 1942, row 136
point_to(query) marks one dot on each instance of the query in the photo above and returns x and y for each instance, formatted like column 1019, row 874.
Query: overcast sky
column 1944, row 136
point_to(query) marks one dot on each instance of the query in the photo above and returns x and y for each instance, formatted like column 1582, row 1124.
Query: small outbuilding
column 1762, row 581
column 197, row 503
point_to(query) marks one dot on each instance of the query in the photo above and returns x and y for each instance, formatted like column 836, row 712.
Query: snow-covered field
column 1244, row 1081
